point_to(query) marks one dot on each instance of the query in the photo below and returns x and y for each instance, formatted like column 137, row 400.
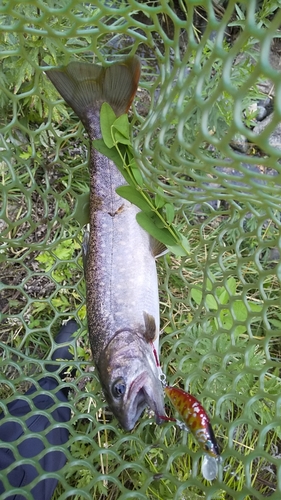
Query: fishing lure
column 198, row 423
column 196, row 420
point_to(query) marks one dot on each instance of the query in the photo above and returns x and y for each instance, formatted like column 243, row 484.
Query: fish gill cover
column 205, row 137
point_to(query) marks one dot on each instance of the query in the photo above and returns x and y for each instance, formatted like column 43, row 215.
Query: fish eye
column 118, row 388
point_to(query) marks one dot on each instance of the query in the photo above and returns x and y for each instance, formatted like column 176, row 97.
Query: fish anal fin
column 150, row 333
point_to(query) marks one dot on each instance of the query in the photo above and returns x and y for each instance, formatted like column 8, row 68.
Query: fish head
column 130, row 379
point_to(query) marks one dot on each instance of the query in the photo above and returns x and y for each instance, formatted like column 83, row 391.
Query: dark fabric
column 30, row 447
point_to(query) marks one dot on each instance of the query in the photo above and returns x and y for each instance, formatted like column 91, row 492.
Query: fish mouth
column 140, row 395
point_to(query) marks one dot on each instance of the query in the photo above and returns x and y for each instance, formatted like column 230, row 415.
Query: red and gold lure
column 197, row 422
column 195, row 418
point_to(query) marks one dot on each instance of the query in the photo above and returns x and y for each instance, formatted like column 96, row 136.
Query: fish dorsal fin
column 86, row 86
column 150, row 327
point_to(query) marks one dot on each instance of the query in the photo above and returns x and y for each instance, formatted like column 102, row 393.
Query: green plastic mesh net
column 207, row 140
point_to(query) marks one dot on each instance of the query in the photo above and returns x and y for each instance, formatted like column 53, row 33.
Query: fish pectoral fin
column 85, row 246
column 86, row 86
column 151, row 332
column 157, row 248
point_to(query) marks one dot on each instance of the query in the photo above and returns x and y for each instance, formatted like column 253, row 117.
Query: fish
column 195, row 418
column 121, row 277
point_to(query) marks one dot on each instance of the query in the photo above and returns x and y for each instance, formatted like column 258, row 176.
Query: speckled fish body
column 195, row 418
column 121, row 278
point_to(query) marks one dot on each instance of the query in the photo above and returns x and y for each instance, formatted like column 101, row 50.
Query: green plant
column 156, row 216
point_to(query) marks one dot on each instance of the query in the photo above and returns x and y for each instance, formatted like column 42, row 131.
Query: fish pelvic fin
column 85, row 86
column 158, row 249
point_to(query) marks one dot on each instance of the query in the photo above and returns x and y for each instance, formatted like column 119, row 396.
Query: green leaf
column 121, row 128
column 107, row 118
column 184, row 242
column 170, row 212
column 120, row 139
column 65, row 249
column 196, row 295
column 134, row 196
column 209, row 301
column 159, row 201
column 255, row 307
column 240, row 329
column 223, row 296
column 275, row 322
column 231, row 285
column 177, row 250
column 46, row 260
column 226, row 319
column 239, row 310
column 224, row 292
column 209, row 284
column 148, row 225
column 25, row 155
column 137, row 175
column 39, row 306
column 159, row 222
column 240, row 12
column 82, row 209
column 130, row 155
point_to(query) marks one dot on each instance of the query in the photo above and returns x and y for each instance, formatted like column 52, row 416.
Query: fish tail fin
column 121, row 83
column 86, row 86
